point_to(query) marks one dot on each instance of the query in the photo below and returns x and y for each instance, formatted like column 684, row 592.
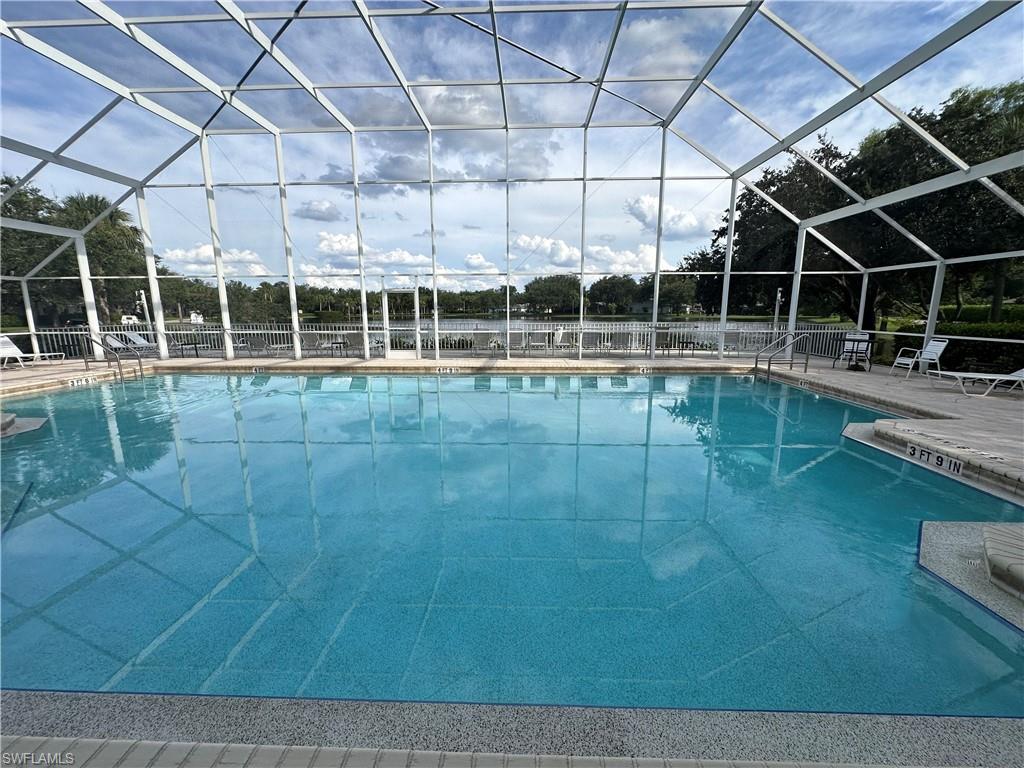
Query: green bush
column 978, row 313
column 972, row 355
column 10, row 322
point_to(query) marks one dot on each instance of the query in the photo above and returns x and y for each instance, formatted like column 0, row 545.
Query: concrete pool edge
column 694, row 734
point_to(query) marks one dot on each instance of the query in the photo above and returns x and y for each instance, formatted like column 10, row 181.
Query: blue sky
column 764, row 71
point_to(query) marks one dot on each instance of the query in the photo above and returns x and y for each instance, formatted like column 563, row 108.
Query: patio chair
column 259, row 345
column 856, row 349
column 731, row 340
column 353, row 342
column 621, row 340
column 483, row 342
column 595, row 340
column 515, row 340
column 538, row 340
column 993, row 380
column 563, row 340
column 10, row 351
column 311, row 342
column 910, row 358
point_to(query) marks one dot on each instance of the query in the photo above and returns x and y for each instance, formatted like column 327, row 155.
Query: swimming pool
column 681, row 541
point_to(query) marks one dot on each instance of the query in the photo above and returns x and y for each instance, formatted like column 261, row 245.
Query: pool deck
column 128, row 753
column 522, row 730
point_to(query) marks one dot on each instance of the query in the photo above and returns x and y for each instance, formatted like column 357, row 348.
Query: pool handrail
column 107, row 348
column 788, row 345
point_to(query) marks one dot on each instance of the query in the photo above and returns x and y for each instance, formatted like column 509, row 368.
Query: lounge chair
column 993, row 380
column 139, row 342
column 10, row 351
column 855, row 350
column 119, row 346
column 910, row 358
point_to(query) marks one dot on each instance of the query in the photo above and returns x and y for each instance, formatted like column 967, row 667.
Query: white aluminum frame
column 20, row 31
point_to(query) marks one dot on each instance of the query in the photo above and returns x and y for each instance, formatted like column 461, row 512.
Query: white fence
column 459, row 336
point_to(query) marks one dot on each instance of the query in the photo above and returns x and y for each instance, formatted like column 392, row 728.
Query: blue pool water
column 659, row 542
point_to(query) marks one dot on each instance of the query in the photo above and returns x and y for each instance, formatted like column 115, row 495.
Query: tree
column 554, row 293
column 114, row 247
column 612, row 295
column 967, row 220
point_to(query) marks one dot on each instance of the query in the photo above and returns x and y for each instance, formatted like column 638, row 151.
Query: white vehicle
column 129, row 320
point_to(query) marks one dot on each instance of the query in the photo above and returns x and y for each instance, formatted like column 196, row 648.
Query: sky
column 764, row 71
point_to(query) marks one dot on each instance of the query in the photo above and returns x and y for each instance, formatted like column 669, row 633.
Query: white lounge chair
column 139, row 342
column 910, row 358
column 118, row 345
column 10, row 351
column 993, row 380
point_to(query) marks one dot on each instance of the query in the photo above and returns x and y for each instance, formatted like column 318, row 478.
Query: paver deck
column 126, row 753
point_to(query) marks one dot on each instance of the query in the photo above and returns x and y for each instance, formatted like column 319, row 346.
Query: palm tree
column 114, row 247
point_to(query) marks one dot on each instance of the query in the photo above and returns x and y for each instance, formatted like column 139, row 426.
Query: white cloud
column 338, row 244
column 676, row 224
column 477, row 262
column 557, row 252
column 319, row 210
column 199, row 259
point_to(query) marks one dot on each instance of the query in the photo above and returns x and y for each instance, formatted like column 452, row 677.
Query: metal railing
column 460, row 336
column 787, row 346
column 87, row 337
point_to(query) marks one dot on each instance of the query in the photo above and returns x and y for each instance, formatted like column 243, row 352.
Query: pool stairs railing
column 792, row 340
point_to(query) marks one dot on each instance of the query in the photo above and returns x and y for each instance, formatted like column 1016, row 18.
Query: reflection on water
column 665, row 541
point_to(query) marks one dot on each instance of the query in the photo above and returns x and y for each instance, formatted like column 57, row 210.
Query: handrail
column 768, row 346
column 114, row 352
column 783, row 348
column 104, row 347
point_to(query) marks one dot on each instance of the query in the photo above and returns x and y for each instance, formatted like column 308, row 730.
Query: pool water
column 684, row 541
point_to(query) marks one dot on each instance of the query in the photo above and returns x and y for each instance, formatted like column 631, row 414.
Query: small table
column 341, row 344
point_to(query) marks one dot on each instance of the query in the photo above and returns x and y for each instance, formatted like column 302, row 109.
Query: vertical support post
column 933, row 306
column 359, row 251
column 794, row 295
column 218, row 256
column 508, row 253
column 657, row 247
column 583, row 243
column 433, row 248
column 88, row 298
column 416, row 314
column 289, row 263
column 154, row 283
column 727, row 277
column 30, row 318
column 384, row 317
column 863, row 300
